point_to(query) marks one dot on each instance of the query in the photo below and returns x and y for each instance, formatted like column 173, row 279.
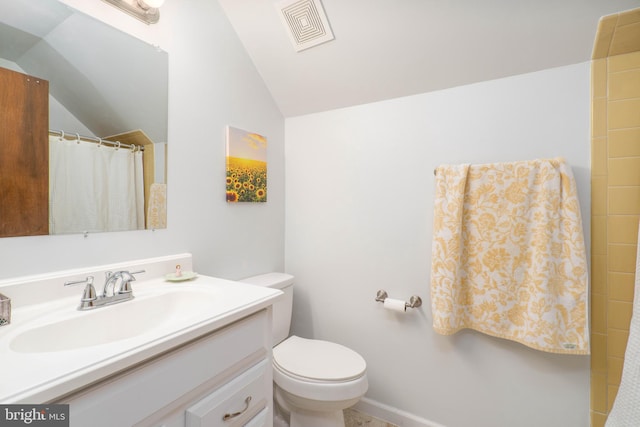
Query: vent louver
column 305, row 22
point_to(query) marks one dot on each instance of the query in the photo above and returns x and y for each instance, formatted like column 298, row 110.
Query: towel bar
column 414, row 302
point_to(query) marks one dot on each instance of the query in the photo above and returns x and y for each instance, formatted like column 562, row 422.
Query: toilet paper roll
column 395, row 305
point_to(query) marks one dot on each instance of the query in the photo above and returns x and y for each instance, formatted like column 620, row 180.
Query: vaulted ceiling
column 391, row 48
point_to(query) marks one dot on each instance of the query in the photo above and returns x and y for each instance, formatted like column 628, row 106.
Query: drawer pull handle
column 228, row 416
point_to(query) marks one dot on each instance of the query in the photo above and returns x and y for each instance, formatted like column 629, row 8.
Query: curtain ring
column 117, row 145
column 77, row 138
column 99, row 142
column 61, row 135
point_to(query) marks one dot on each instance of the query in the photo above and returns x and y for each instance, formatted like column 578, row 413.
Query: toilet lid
column 318, row 360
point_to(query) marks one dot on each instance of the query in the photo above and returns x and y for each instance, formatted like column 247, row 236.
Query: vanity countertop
column 39, row 363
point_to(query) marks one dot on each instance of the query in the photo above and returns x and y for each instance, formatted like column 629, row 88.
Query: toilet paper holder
column 414, row 302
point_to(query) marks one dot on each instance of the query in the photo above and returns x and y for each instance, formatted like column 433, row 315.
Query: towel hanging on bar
column 508, row 255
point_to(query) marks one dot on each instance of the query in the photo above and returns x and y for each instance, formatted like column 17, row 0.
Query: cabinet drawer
column 234, row 403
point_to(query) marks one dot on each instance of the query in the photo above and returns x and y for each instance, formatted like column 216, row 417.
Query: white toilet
column 314, row 380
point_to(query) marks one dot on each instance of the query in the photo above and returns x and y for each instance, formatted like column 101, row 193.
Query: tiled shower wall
column 615, row 198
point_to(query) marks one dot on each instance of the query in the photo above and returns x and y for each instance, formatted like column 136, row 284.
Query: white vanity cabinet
column 221, row 379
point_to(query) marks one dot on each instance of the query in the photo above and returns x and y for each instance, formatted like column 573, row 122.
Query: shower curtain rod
column 115, row 144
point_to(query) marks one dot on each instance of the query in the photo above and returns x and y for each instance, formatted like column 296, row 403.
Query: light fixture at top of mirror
column 144, row 10
column 145, row 4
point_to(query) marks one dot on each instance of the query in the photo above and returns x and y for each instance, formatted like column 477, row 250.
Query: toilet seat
column 317, row 360
column 319, row 370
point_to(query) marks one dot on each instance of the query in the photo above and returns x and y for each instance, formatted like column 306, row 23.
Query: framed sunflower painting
column 246, row 166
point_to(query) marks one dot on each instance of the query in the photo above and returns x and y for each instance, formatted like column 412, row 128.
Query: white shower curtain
column 626, row 407
column 94, row 188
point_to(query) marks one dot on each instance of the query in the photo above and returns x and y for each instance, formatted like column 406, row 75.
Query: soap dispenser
column 5, row 310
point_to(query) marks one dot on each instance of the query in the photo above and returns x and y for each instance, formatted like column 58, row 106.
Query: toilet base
column 285, row 413
column 316, row 419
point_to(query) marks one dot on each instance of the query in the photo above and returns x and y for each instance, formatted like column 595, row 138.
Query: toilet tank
column 281, row 309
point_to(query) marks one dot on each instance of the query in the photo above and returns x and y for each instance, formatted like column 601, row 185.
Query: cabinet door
column 24, row 155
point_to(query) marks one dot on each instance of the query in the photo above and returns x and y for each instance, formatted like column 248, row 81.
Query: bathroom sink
column 153, row 313
column 52, row 349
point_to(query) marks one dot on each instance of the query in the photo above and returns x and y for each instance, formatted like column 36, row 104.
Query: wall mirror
column 107, row 89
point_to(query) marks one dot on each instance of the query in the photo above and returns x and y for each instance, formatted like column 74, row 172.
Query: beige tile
column 623, row 62
column 599, row 392
column 599, row 353
column 624, row 84
column 616, row 192
column 624, row 171
column 614, row 370
column 624, row 142
column 598, row 195
column 626, row 39
column 622, row 229
column 622, row 114
column 604, row 35
column 599, row 156
column 599, row 235
column 599, row 118
column 598, row 314
column 598, row 419
column 621, row 286
column 624, row 201
column 619, row 314
column 616, row 342
column 612, row 391
column 621, row 258
column 599, row 78
column 599, row 274
column 629, row 17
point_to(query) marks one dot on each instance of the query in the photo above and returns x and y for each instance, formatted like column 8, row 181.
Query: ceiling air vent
column 306, row 23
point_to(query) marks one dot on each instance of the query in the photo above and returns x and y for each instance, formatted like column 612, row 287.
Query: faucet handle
column 125, row 284
column 127, row 278
column 89, row 293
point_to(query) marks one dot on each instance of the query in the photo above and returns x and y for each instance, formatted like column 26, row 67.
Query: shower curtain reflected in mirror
column 94, row 188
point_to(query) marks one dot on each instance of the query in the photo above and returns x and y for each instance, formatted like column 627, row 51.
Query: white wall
column 57, row 112
column 212, row 83
column 359, row 218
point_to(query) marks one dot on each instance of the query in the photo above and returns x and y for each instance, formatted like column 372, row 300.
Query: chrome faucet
column 121, row 278
column 117, row 288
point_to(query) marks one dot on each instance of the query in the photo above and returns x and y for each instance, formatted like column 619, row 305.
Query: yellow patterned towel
column 508, row 256
column 157, row 210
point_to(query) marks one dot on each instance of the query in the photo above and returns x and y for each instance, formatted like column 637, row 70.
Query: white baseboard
column 392, row 415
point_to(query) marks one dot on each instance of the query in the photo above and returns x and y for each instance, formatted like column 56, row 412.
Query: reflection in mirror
column 108, row 103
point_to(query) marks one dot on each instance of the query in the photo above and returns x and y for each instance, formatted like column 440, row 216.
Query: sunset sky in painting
column 246, row 145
